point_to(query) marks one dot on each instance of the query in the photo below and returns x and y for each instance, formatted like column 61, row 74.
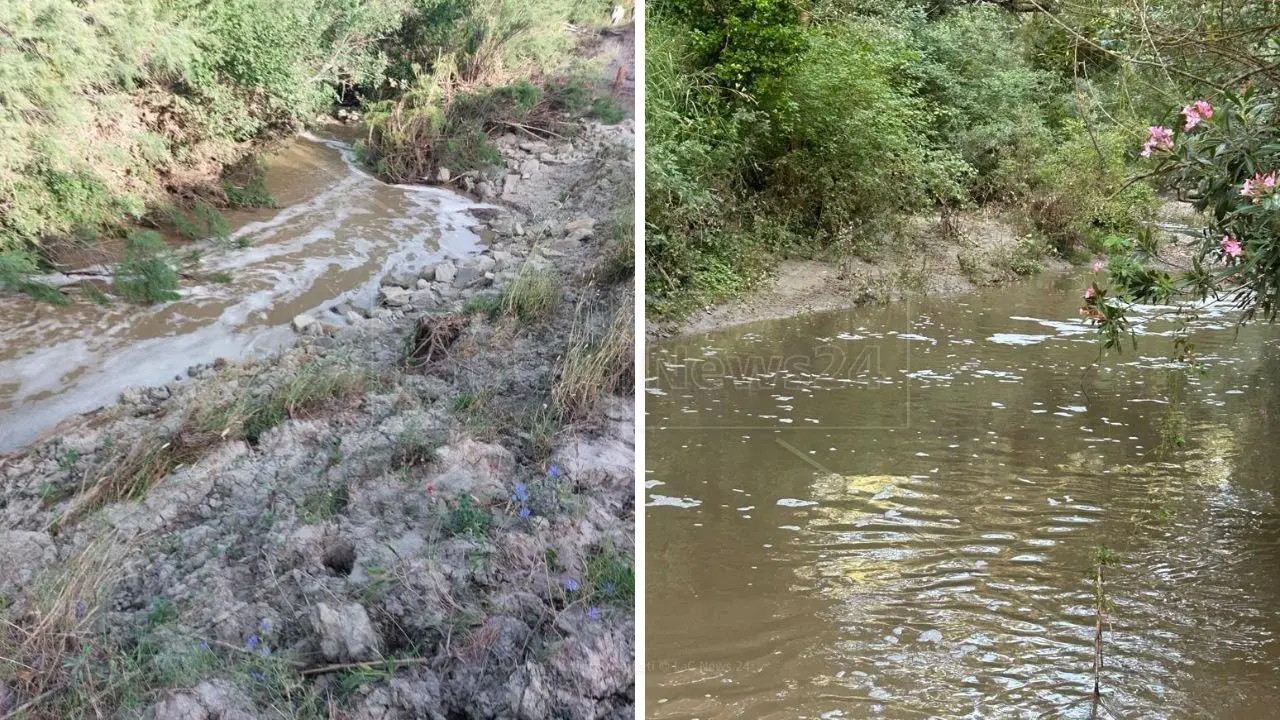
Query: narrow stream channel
column 893, row 512
column 338, row 232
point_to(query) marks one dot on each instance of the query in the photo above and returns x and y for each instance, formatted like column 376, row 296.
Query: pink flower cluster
column 1231, row 247
column 1259, row 186
column 1158, row 138
column 1196, row 112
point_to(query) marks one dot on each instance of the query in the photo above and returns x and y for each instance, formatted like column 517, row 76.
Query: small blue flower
column 81, row 609
column 257, row 675
column 253, row 642
column 265, row 625
column 525, row 513
column 555, row 471
column 609, row 588
column 571, row 585
column 204, row 645
column 593, row 613
column 522, row 493
column 265, row 652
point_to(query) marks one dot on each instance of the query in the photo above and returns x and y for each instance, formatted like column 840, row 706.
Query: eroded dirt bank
column 423, row 509
column 928, row 256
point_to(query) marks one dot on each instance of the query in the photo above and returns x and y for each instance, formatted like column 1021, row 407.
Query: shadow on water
column 338, row 232
column 894, row 511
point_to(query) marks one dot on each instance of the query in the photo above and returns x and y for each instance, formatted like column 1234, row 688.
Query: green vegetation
column 532, row 294
column 146, row 273
column 465, row 518
column 773, row 132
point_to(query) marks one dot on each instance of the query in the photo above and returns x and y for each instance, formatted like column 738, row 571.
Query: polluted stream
column 895, row 512
column 337, row 232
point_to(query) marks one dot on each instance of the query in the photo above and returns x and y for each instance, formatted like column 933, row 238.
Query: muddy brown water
column 338, row 231
column 893, row 512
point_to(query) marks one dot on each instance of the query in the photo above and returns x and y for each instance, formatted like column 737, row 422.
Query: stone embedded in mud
column 346, row 635
column 466, row 276
column 305, row 324
column 528, row 694
column 485, row 264
column 215, row 700
column 445, row 272
column 502, row 260
column 484, row 189
column 443, row 175
column 23, row 554
column 579, row 230
column 474, row 468
column 394, row 296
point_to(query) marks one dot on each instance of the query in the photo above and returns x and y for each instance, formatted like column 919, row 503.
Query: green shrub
column 858, row 138
column 146, row 273
column 1082, row 193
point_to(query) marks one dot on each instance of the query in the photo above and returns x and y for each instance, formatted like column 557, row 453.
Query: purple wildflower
column 253, row 642
column 593, row 613
column 555, row 471
column 571, row 585
column 525, row 513
column 522, row 493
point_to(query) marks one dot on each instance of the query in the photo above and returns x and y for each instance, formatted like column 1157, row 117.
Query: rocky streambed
column 422, row 508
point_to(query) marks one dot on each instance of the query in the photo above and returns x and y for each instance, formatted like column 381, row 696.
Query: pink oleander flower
column 1158, row 138
column 1099, row 265
column 1090, row 293
column 1196, row 112
column 1231, row 247
column 1259, row 186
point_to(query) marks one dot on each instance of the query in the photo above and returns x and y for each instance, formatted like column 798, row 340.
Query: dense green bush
column 1082, row 193
column 857, row 136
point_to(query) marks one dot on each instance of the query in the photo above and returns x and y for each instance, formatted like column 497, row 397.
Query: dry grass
column 53, row 626
column 133, row 471
column 598, row 362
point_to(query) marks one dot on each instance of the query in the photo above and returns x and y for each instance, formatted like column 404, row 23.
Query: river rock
column 305, row 324
column 519, row 230
column 346, row 635
column 502, row 260
column 423, row 299
column 394, row 296
column 423, row 283
column 400, row 278
column 485, row 189
column 485, row 264
column 465, row 276
column 445, row 272
column 443, row 175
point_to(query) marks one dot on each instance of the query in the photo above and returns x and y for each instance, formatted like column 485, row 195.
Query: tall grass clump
column 532, row 294
column 598, row 362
